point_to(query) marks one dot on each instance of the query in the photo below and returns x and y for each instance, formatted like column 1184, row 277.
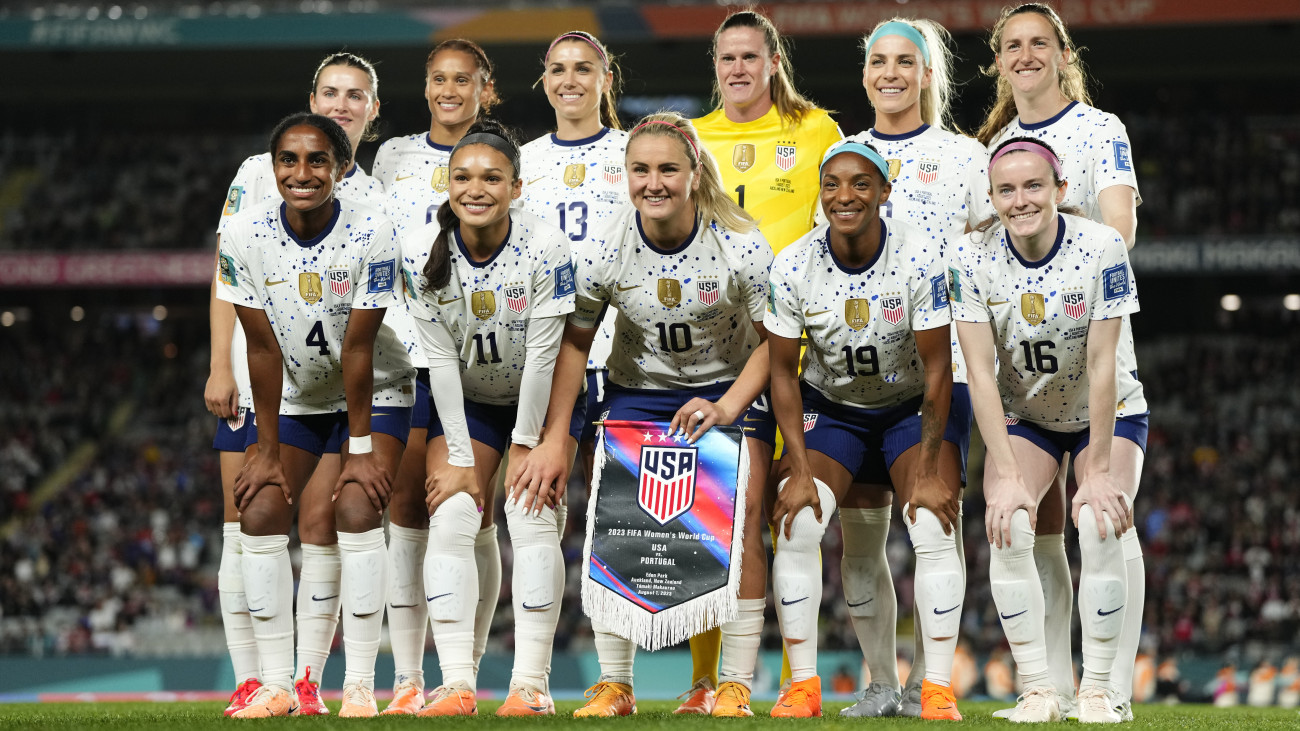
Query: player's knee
column 456, row 522
column 1089, row 538
column 927, row 534
column 1022, row 538
column 265, row 517
column 530, row 528
column 805, row 530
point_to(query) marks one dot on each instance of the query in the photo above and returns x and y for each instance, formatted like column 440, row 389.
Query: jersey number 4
column 316, row 338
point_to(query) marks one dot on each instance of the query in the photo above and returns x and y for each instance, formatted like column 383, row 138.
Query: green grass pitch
column 653, row 715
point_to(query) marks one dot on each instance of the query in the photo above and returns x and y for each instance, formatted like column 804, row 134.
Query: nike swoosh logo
column 1099, row 612
column 936, row 610
column 360, row 614
column 376, row 413
column 1012, row 616
column 621, row 288
column 402, row 177
column 851, row 604
column 539, row 606
column 323, row 598
column 534, row 180
column 441, row 301
column 250, row 611
column 402, row 606
column 747, row 418
column 538, row 709
column 814, row 314
column 431, row 598
column 796, row 601
column 267, row 282
column 989, row 302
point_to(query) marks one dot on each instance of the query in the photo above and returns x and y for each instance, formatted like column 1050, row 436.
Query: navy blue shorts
column 597, row 380
column 232, row 433
column 491, row 424
column 325, row 433
column 421, row 409
column 654, row 404
column 1057, row 443
column 867, row 442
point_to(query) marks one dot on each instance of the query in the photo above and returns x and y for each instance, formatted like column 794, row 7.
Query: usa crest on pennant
column 666, row 487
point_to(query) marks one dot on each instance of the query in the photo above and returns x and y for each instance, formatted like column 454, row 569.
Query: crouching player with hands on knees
column 872, row 408
column 495, row 286
column 311, row 278
column 1039, row 307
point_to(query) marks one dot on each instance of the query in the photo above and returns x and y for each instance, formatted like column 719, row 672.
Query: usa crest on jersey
column 709, row 291
column 340, row 281
column 891, row 308
column 785, row 156
column 667, row 481
column 1076, row 304
column 1032, row 307
column 517, row 298
column 613, row 174
column 927, row 171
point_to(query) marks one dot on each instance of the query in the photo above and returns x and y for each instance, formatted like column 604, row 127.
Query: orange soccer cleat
column 242, row 695
column 453, row 701
column 527, row 702
column 938, row 703
column 803, row 700
column 608, row 699
column 732, row 701
column 408, row 699
column 267, row 702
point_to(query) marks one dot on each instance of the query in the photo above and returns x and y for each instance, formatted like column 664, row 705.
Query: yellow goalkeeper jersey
column 771, row 172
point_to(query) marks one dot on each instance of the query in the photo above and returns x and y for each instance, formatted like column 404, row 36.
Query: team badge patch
column 564, row 284
column 809, row 421
column 742, row 156
column 574, row 174
column 785, row 156
column 1123, row 159
column 1076, row 304
column 226, row 270
column 1032, row 307
column 857, row 313
column 439, row 180
column 708, row 291
column 927, row 171
column 891, row 308
column 382, row 274
column 612, row 174
column 895, row 166
column 1114, row 282
column 234, row 197
column 954, row 284
column 340, row 281
column 516, row 298
column 309, row 287
column 483, row 304
column 939, row 292
column 670, row 292
column 666, row 488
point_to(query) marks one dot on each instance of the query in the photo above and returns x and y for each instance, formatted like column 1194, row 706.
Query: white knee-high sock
column 408, row 614
column 616, row 655
column 1103, row 597
column 365, row 565
column 1121, row 675
column 869, row 590
column 918, row 671
column 740, row 640
column 940, row 590
column 268, row 586
column 487, row 557
column 1018, row 594
column 1058, row 607
column 318, row 608
column 798, row 590
column 451, row 586
column 537, row 581
column 234, row 609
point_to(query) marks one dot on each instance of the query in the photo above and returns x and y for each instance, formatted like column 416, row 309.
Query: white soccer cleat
column 1096, row 706
column 1037, row 705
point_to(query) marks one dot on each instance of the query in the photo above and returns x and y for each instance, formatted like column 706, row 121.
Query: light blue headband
column 859, row 149
column 905, row 30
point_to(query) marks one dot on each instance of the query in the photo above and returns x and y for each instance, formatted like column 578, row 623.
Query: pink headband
column 585, row 39
column 689, row 141
column 1033, row 147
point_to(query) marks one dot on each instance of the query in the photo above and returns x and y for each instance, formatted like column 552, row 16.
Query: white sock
column 408, row 614
column 869, row 590
column 740, row 640
column 451, row 584
column 234, row 609
column 796, row 586
column 1103, row 597
column 1058, row 604
column 615, row 654
column 318, row 608
column 487, row 557
column 1121, row 675
column 917, row 672
column 1018, row 595
column 268, row 586
column 537, row 582
column 940, row 590
column 365, row 564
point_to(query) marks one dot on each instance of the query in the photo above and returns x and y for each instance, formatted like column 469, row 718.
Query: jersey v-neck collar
column 667, row 252
column 1051, row 254
column 460, row 244
column 884, row 236
column 1050, row 120
column 308, row 243
column 900, row 137
column 579, row 143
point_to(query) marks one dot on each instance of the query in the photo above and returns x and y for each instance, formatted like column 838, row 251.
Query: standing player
column 495, row 286
column 310, row 278
column 1040, row 306
column 938, row 180
column 1042, row 93
column 458, row 87
column 691, row 351
column 875, row 399
column 346, row 90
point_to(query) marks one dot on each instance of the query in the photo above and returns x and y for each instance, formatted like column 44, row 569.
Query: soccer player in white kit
column 345, row 88
column 684, row 271
column 1039, row 305
column 494, row 285
column 1042, row 92
column 310, row 278
column 413, row 169
column 938, row 184
column 873, row 406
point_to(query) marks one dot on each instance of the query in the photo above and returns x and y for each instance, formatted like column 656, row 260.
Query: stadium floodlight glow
column 1230, row 302
column 1291, row 302
column 77, row 314
column 160, row 313
column 7, row 318
column 114, row 12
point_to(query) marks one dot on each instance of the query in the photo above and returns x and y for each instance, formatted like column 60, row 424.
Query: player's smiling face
column 1025, row 194
column 305, row 168
column 1031, row 57
column 481, row 186
column 454, row 88
column 344, row 95
column 852, row 190
column 574, row 80
column 744, row 67
column 660, row 177
column 894, row 75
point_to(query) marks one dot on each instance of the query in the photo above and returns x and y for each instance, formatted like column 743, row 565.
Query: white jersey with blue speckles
column 682, row 317
column 861, row 322
column 577, row 185
column 486, row 306
column 308, row 290
column 1040, row 312
column 413, row 171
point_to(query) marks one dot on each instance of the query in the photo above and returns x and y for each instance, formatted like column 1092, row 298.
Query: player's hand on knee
column 530, row 496
column 1103, row 493
column 1004, row 497
column 260, row 471
column 367, row 472
column 450, row 480
column 933, row 494
column 696, row 418
column 542, row 471
column 797, row 493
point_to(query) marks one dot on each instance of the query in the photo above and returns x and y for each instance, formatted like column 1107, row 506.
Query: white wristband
column 360, row 445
